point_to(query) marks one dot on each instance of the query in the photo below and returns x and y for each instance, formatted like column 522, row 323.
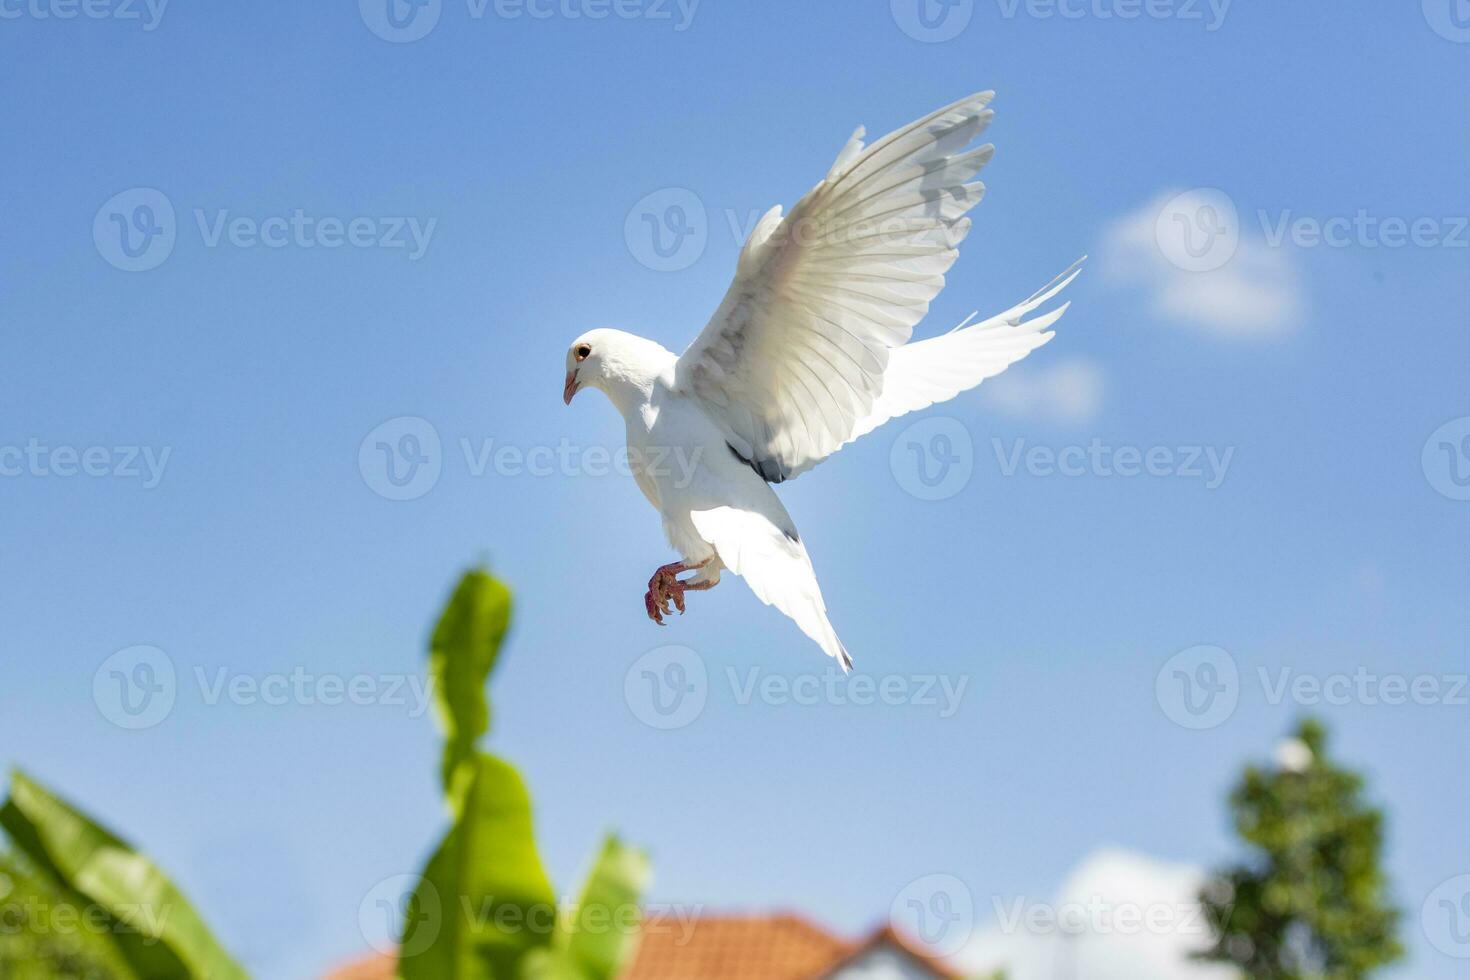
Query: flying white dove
column 808, row 351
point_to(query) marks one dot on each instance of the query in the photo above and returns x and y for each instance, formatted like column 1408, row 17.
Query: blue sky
column 520, row 148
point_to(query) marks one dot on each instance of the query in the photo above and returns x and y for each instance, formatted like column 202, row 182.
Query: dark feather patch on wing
column 736, row 453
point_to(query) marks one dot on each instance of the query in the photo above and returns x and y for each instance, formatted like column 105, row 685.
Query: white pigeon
column 808, row 351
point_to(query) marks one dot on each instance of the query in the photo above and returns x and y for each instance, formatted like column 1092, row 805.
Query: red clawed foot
column 651, row 603
column 665, row 588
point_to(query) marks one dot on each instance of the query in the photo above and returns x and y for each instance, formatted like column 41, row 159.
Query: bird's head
column 604, row 358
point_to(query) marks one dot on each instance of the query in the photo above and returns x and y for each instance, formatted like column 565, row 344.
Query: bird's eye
column 583, row 351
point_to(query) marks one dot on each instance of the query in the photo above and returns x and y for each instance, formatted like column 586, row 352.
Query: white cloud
column 1119, row 916
column 1069, row 392
column 1188, row 250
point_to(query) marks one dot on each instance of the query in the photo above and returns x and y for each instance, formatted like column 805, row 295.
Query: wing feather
column 935, row 370
column 851, row 269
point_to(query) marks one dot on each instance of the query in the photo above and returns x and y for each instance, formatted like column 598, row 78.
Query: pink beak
column 571, row 387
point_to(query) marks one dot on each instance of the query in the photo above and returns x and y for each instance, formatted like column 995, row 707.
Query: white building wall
column 884, row 963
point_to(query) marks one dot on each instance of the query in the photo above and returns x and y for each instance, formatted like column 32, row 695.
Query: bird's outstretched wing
column 806, row 352
column 796, row 352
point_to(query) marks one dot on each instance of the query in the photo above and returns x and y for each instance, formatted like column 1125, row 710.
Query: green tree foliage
column 462, row 652
column 484, row 908
column 1309, row 903
column 99, row 887
column 44, row 936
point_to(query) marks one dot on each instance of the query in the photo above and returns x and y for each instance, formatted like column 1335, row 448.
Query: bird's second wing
column 935, row 370
column 796, row 354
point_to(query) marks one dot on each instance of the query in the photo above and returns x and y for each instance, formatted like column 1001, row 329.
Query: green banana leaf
column 45, row 933
column 484, row 900
column 155, row 929
column 462, row 653
column 596, row 940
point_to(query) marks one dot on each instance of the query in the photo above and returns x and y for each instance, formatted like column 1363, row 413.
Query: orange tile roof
column 374, row 966
column 773, row 947
column 779, row 946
